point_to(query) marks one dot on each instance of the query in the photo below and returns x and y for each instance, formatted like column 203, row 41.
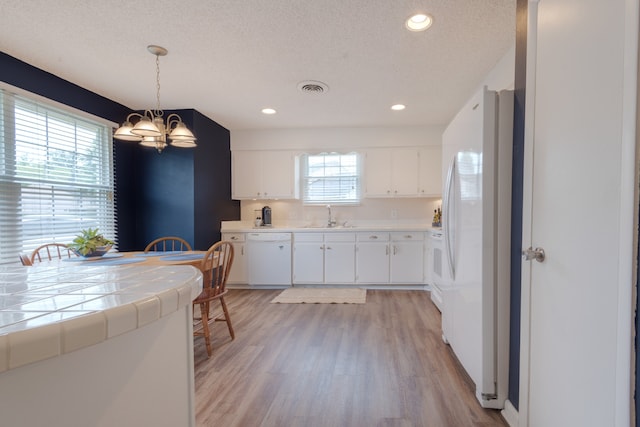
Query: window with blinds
column 331, row 178
column 56, row 176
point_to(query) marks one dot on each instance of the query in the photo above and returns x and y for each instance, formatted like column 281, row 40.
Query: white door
column 407, row 258
column 404, row 171
column 578, row 205
column 278, row 174
column 372, row 262
column 246, row 174
column 308, row 261
column 377, row 178
column 340, row 262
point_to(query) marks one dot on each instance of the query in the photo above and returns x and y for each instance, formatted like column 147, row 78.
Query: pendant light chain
column 158, row 111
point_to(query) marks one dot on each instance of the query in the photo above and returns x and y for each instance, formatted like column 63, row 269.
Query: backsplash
column 392, row 210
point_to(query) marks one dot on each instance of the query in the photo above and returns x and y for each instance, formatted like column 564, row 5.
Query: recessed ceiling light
column 419, row 22
column 398, row 107
column 268, row 111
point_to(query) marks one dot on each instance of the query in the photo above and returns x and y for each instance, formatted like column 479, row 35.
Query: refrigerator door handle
column 448, row 208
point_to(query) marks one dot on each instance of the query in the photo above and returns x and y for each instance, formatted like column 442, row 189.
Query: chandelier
column 150, row 129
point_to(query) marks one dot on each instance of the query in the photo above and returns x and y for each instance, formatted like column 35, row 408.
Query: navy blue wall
column 187, row 192
column 183, row 192
column 22, row 75
column 516, row 200
column 164, row 201
column 212, row 176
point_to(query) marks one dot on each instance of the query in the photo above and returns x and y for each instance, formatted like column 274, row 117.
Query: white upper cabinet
column 403, row 172
column 264, row 175
column 430, row 171
column 391, row 172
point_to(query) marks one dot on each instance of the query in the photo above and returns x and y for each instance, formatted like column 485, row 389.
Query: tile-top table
column 57, row 310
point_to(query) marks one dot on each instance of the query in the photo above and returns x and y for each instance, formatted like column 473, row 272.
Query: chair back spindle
column 168, row 243
column 51, row 251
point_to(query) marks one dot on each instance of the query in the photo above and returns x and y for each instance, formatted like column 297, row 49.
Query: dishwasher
column 269, row 259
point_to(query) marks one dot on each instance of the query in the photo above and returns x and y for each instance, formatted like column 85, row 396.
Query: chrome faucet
column 330, row 222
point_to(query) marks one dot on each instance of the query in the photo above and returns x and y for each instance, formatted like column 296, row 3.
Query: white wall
column 334, row 139
column 348, row 139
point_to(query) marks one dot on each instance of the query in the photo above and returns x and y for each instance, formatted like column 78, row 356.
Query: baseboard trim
column 510, row 414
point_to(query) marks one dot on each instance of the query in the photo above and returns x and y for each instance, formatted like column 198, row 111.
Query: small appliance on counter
column 266, row 216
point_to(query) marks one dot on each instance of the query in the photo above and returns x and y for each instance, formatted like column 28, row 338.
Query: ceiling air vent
column 312, row 86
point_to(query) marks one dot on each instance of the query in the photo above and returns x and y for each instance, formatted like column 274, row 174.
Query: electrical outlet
column 293, row 215
column 394, row 214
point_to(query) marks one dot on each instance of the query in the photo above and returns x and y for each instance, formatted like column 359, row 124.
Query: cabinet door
column 430, row 171
column 407, row 262
column 279, row 177
column 372, row 262
column 377, row 169
column 340, row 262
column 404, row 172
column 308, row 262
column 238, row 273
column 391, row 172
column 263, row 174
column 246, row 171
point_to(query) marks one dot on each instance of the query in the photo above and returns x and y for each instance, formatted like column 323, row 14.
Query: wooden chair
column 169, row 243
column 25, row 259
column 51, row 251
column 215, row 266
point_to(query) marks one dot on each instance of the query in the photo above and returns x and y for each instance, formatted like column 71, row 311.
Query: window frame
column 306, row 175
column 84, row 171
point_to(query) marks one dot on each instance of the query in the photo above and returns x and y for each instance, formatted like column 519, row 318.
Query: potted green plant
column 90, row 243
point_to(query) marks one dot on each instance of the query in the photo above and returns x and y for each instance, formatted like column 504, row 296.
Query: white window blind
column 56, row 176
column 331, row 178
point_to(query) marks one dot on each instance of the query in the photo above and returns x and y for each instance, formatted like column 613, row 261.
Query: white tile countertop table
column 116, row 333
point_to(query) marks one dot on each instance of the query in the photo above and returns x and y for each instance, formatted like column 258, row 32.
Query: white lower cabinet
column 372, row 258
column 407, row 258
column 390, row 258
column 340, row 258
column 308, row 258
column 344, row 257
column 239, row 267
column 320, row 258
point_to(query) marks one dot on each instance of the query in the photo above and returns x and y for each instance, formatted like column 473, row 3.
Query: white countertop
column 248, row 227
column 55, row 308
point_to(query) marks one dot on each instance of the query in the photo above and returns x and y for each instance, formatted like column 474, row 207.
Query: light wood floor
column 382, row 363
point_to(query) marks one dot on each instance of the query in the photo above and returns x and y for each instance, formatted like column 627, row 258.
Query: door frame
column 628, row 221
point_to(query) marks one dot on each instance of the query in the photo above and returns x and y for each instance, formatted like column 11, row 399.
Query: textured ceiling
column 229, row 59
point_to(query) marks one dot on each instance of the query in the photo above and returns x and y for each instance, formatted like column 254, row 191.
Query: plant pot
column 99, row 251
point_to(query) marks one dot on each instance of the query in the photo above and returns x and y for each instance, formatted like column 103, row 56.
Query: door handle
column 530, row 254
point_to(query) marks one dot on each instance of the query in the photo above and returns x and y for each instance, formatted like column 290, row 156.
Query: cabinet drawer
column 373, row 237
column 408, row 236
column 233, row 237
column 340, row 237
column 307, row 237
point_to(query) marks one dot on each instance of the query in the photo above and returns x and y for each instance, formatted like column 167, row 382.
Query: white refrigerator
column 476, row 216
